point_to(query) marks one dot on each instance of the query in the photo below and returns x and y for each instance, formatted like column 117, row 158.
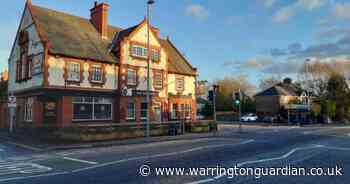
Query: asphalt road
column 256, row 147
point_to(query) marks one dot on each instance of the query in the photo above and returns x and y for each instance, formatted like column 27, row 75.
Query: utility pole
column 215, row 88
column 149, row 52
column 238, row 102
column 240, row 110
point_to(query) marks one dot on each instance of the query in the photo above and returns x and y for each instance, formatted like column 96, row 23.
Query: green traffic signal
column 237, row 102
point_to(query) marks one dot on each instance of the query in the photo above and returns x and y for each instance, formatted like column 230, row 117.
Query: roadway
column 257, row 146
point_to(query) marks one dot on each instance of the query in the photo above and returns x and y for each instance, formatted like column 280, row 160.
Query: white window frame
column 155, row 55
column 128, row 117
column 94, row 76
column 73, row 71
column 133, row 80
column 179, row 87
column 28, row 109
column 158, row 80
column 139, row 51
column 105, row 101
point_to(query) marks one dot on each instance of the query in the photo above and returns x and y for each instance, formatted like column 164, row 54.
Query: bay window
column 92, row 108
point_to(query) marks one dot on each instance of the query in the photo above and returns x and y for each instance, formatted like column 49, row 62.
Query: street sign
column 12, row 101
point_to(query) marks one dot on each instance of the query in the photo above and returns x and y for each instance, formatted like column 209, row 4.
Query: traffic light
column 211, row 96
column 237, row 98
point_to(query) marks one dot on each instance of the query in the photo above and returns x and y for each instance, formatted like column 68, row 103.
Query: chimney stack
column 99, row 18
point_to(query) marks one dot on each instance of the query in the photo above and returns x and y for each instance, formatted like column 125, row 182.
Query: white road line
column 286, row 155
column 79, row 160
column 159, row 155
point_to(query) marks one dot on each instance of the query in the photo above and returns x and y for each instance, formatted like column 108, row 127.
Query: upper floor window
column 96, row 73
column 180, row 84
column 155, row 55
column 131, row 77
column 139, row 51
column 23, row 67
column 73, row 71
column 158, row 79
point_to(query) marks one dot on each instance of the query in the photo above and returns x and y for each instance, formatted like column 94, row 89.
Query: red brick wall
column 38, row 112
column 65, row 111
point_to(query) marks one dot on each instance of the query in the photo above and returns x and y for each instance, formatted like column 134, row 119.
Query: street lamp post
column 149, row 52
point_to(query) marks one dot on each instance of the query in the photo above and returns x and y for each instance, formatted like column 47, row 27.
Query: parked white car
column 249, row 117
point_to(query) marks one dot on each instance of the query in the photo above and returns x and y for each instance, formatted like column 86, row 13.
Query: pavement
column 255, row 147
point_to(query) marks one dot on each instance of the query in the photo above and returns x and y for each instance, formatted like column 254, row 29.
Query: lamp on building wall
column 149, row 3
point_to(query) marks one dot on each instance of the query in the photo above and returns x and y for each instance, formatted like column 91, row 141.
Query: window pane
column 143, row 111
column 131, row 78
column 131, row 111
column 82, row 111
column 103, row 111
column 96, row 73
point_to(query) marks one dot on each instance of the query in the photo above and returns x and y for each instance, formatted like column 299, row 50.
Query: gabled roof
column 281, row 89
column 75, row 36
column 71, row 35
column 177, row 62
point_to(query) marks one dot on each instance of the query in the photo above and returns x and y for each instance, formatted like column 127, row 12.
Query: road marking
column 284, row 156
column 159, row 155
column 79, row 160
column 25, row 146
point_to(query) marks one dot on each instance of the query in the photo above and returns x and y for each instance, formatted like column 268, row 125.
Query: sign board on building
column 12, row 101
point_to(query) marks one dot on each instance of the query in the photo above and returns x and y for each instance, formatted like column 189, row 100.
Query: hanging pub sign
column 50, row 109
column 37, row 61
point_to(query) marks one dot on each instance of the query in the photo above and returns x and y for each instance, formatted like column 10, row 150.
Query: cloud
column 197, row 11
column 326, row 50
column 285, row 13
column 278, row 52
column 334, row 32
column 341, row 10
column 268, row 3
column 295, row 48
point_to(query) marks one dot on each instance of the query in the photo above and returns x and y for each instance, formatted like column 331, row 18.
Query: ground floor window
column 131, row 115
column 187, row 111
column 174, row 111
column 28, row 110
column 144, row 108
column 92, row 108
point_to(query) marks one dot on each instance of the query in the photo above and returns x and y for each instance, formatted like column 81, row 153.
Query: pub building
column 66, row 69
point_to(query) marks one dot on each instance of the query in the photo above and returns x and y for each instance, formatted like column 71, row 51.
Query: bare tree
column 268, row 82
column 229, row 85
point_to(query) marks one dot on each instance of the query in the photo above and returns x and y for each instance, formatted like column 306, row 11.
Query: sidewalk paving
column 44, row 146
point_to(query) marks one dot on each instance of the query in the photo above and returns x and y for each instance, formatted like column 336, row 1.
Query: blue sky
column 258, row 38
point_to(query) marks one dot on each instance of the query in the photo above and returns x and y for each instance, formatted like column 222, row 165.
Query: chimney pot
column 99, row 18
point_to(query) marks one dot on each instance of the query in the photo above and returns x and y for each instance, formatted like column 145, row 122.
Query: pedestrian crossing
column 15, row 168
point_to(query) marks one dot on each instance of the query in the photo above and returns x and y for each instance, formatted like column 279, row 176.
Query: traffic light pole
column 214, row 102
column 240, row 111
